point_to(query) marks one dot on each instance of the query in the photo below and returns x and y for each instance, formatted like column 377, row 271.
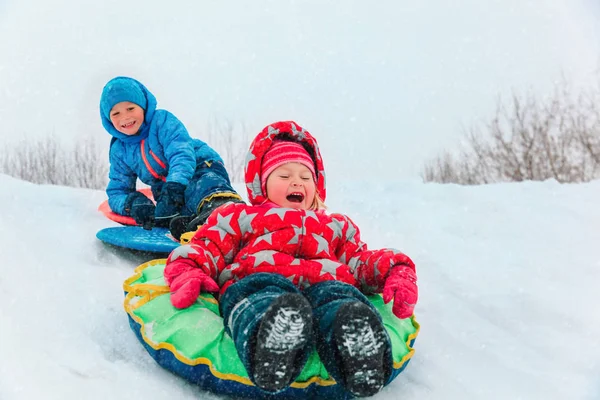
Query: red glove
column 401, row 285
column 186, row 281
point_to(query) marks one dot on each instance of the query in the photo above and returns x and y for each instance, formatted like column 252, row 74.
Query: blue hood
column 121, row 89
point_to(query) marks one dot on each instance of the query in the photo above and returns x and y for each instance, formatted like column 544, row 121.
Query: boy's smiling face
column 127, row 117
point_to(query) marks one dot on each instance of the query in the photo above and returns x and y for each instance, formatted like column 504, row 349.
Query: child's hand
column 142, row 211
column 401, row 285
column 172, row 198
column 186, row 282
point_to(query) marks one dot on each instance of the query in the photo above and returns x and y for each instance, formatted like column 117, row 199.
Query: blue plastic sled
column 157, row 240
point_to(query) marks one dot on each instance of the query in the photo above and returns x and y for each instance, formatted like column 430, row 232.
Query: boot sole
column 282, row 336
column 360, row 340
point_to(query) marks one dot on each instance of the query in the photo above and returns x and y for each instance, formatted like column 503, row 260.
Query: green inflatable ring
column 193, row 344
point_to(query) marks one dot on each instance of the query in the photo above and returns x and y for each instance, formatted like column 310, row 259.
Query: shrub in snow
column 528, row 139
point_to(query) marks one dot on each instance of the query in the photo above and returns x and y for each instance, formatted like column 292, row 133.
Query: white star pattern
column 245, row 222
column 310, row 245
column 342, row 258
column 266, row 237
column 335, row 226
column 183, row 251
column 272, row 132
column 249, row 157
column 296, row 238
column 327, row 267
column 264, row 256
column 229, row 257
column 215, row 260
column 299, row 134
column 317, row 152
column 223, row 226
column 376, row 272
column 322, row 244
column 311, row 214
column 255, row 186
column 350, row 233
column 227, row 273
column 280, row 211
column 353, row 263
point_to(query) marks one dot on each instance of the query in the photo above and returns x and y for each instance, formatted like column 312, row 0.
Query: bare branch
column 529, row 139
column 46, row 161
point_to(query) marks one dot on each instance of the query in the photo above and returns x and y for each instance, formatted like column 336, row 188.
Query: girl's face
column 127, row 117
column 291, row 185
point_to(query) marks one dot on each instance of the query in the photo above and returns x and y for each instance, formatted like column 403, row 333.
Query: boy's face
column 291, row 185
column 127, row 117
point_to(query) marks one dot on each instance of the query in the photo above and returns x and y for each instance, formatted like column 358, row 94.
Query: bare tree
column 47, row 161
column 528, row 139
column 231, row 142
column 90, row 164
column 85, row 162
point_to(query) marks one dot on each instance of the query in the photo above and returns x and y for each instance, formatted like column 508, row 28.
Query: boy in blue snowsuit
column 187, row 178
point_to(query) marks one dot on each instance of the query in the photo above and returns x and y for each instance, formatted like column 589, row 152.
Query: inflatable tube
column 192, row 342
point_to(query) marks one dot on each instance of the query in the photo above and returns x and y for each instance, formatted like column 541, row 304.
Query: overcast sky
column 388, row 84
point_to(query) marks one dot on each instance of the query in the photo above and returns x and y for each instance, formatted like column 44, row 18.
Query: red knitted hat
column 283, row 152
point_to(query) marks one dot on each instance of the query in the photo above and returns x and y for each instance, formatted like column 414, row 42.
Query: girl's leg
column 270, row 323
column 351, row 339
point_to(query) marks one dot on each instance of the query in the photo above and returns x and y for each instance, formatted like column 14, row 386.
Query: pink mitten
column 401, row 285
column 186, row 281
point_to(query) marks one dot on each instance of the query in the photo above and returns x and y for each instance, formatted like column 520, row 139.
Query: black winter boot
column 363, row 347
column 282, row 341
column 178, row 225
column 191, row 223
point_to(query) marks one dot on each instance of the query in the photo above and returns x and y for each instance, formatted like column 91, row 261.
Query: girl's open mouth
column 295, row 197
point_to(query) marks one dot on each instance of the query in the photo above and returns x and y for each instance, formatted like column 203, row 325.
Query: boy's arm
column 371, row 267
column 179, row 150
column 121, row 185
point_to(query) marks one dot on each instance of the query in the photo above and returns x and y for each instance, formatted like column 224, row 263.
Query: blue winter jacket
column 167, row 148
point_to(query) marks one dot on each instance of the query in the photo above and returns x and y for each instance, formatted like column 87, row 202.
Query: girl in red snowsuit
column 291, row 276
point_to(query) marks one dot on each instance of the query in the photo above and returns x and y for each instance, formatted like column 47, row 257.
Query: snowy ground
column 508, row 282
column 508, row 279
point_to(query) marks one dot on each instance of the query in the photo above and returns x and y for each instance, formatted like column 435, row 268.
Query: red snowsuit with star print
column 306, row 246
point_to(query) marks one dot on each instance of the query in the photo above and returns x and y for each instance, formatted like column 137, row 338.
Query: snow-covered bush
column 528, row 139
column 231, row 141
column 83, row 163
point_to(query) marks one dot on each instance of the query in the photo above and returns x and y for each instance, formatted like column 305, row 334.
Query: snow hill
column 508, row 278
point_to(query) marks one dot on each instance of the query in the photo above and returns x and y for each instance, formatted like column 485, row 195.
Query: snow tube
column 192, row 342
column 156, row 240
